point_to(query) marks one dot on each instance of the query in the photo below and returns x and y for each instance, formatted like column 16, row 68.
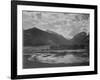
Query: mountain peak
column 49, row 31
column 34, row 28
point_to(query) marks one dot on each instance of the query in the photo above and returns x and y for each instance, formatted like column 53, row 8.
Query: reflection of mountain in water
column 37, row 37
column 39, row 60
column 52, row 58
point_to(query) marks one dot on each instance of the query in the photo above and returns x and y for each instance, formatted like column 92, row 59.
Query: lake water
column 55, row 59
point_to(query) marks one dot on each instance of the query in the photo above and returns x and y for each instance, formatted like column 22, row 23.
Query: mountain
column 35, row 37
column 49, row 31
column 81, row 39
column 38, row 37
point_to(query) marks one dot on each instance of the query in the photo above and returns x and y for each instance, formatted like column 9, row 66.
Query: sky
column 66, row 24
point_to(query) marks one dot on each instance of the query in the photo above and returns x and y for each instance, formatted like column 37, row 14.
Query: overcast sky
column 66, row 24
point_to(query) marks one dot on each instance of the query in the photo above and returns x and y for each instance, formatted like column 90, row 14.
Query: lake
column 55, row 58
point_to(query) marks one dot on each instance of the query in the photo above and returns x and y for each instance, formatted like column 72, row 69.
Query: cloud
column 66, row 24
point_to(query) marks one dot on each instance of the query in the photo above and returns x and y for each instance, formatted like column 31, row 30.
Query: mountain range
column 37, row 37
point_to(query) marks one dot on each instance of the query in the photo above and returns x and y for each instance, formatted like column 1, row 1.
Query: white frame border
column 21, row 71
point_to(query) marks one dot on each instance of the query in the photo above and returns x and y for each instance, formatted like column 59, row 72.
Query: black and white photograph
column 54, row 39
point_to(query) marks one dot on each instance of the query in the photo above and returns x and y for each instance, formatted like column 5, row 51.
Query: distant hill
column 81, row 39
column 35, row 37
